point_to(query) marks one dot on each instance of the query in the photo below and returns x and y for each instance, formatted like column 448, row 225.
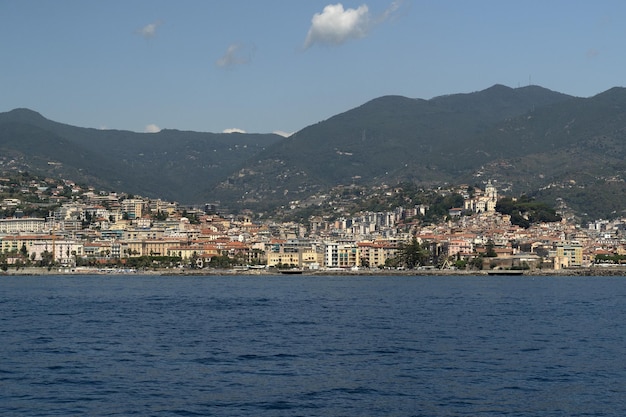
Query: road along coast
column 590, row 271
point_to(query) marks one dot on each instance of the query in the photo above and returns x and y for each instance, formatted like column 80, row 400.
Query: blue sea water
column 312, row 346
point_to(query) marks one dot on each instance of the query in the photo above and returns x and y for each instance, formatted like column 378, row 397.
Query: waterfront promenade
column 587, row 271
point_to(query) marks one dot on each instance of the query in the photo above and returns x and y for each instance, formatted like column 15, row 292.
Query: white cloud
column 283, row 134
column 236, row 54
column 149, row 31
column 388, row 14
column 233, row 130
column 152, row 128
column 336, row 25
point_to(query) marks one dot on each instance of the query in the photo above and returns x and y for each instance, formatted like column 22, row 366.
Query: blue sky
column 281, row 65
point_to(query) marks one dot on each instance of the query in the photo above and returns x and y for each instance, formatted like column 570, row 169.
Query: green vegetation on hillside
column 344, row 201
column 30, row 195
column 525, row 211
column 171, row 164
column 528, row 140
column 385, row 141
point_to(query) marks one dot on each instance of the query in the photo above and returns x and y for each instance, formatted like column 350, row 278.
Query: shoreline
column 589, row 271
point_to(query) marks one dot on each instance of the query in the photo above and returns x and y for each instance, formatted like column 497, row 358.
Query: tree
column 412, row 254
column 526, row 210
column 160, row 215
column 240, row 259
column 3, row 262
column 193, row 260
column 490, row 252
column 476, row 262
column 221, row 261
column 47, row 259
column 88, row 219
column 460, row 264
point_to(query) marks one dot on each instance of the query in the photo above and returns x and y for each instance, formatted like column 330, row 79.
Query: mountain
column 386, row 140
column 555, row 147
column 574, row 151
column 171, row 164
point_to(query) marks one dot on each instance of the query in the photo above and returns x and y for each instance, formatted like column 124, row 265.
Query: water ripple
column 329, row 346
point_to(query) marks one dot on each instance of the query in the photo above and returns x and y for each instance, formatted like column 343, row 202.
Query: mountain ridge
column 404, row 132
column 529, row 139
column 153, row 164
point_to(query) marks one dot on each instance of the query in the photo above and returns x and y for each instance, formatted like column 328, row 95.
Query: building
column 483, row 202
column 567, row 255
column 133, row 207
column 151, row 247
column 294, row 252
column 23, row 225
column 375, row 254
column 63, row 251
column 341, row 255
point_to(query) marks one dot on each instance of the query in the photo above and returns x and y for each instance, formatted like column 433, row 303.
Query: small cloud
column 391, row 10
column 283, row 134
column 149, row 31
column 103, row 127
column 236, row 54
column 152, row 128
column 233, row 130
column 336, row 25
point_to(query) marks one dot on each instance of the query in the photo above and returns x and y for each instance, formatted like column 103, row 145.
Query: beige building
column 305, row 258
column 151, row 247
column 568, row 255
column 374, row 254
column 133, row 207
column 301, row 254
column 187, row 252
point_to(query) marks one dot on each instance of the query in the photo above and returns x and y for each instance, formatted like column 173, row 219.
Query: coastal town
column 61, row 226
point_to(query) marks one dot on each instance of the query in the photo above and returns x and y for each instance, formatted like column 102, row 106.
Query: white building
column 484, row 202
column 23, row 225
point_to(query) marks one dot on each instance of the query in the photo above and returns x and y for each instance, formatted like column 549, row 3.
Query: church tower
column 491, row 195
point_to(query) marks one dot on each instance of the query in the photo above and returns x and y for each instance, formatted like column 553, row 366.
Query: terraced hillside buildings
column 85, row 227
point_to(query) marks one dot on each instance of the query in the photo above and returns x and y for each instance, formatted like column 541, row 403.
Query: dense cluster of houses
column 107, row 229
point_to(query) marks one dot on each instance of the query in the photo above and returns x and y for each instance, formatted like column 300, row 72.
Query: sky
column 281, row 65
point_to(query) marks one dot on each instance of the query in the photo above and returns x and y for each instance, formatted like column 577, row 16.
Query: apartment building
column 300, row 253
column 23, row 225
column 567, row 255
column 133, row 207
column 63, row 250
column 341, row 255
column 375, row 254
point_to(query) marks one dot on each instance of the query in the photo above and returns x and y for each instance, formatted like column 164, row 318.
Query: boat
column 506, row 272
column 291, row 271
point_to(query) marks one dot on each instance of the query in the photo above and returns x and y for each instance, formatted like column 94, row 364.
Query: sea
column 108, row 345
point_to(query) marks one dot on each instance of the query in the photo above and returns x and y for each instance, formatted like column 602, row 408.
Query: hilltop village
column 58, row 224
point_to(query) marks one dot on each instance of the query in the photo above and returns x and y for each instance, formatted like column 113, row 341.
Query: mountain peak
column 21, row 115
column 498, row 87
column 612, row 92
